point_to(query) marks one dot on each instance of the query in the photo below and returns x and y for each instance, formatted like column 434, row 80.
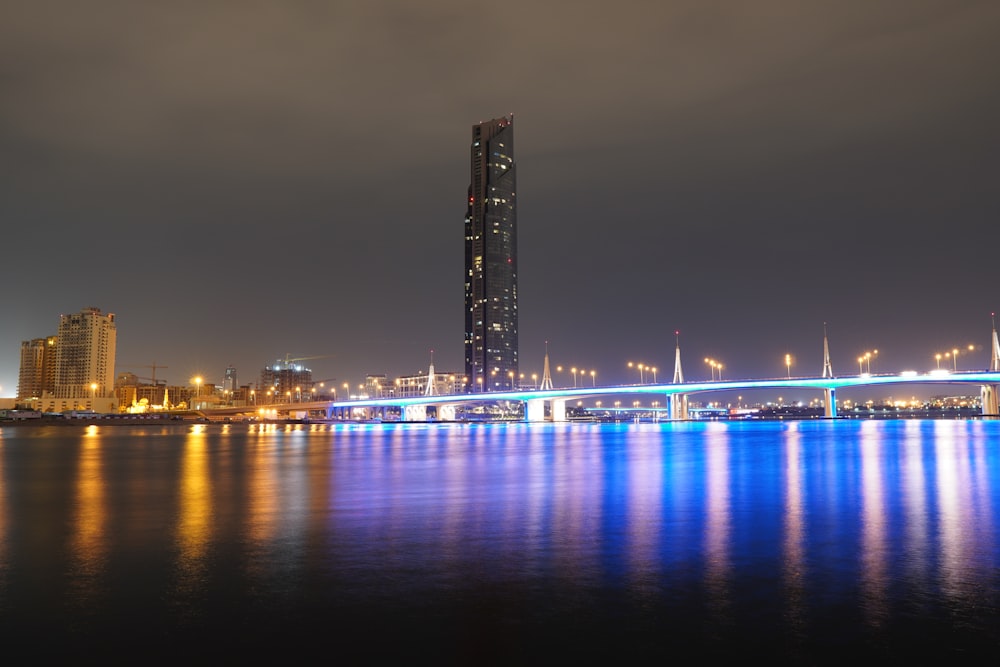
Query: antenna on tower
column 827, row 368
column 678, row 373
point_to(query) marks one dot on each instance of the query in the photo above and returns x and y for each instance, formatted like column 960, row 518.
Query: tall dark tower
column 491, row 259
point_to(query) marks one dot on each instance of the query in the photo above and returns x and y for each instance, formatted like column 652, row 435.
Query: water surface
column 798, row 541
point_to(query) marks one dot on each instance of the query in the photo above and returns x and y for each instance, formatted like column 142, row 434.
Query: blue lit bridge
column 550, row 404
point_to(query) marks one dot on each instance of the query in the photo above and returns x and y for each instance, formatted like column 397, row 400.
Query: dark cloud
column 242, row 180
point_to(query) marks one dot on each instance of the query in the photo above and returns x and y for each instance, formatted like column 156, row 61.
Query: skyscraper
column 491, row 259
column 37, row 373
column 85, row 355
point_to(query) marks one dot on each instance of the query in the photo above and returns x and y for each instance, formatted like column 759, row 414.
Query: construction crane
column 289, row 358
column 153, row 365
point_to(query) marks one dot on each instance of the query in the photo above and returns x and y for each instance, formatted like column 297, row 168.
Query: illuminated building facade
column 85, row 355
column 491, row 258
column 282, row 383
column 416, row 385
column 37, row 374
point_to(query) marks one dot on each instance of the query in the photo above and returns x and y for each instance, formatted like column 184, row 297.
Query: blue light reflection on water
column 793, row 537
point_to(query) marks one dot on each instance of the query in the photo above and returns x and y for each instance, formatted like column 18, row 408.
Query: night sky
column 244, row 181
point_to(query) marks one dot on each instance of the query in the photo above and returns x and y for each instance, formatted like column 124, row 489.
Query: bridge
column 550, row 404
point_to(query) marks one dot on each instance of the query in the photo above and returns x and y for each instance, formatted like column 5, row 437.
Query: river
column 803, row 542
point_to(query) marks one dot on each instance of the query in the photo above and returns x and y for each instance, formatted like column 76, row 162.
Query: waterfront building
column 284, row 382
column 229, row 384
column 85, row 355
column 37, row 373
column 416, row 385
column 491, row 257
column 73, row 370
column 377, row 385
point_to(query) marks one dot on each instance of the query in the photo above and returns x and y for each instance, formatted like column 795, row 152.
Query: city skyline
column 742, row 175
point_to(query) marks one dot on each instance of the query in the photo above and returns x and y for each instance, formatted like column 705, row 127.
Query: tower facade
column 37, row 372
column 491, row 259
column 85, row 354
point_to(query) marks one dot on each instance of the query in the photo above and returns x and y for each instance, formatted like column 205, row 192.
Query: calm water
column 802, row 541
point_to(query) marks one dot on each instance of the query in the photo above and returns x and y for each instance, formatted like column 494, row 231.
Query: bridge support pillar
column 830, row 402
column 415, row 413
column 447, row 412
column 558, row 409
column 678, row 406
column 990, row 400
column 534, row 410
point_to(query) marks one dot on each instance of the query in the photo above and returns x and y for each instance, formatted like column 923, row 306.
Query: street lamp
column 93, row 392
column 573, row 371
column 534, row 380
column 593, row 378
column 639, row 366
column 861, row 365
column 938, row 358
column 954, row 359
column 788, row 365
column 653, row 368
column 197, row 383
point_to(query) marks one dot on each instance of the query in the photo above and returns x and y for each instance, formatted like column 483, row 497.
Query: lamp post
column 938, row 358
column 639, row 366
column 197, row 384
column 93, row 393
column 954, row 359
column 593, row 378
column 861, row 365
column 573, row 371
column 534, row 380
column 788, row 365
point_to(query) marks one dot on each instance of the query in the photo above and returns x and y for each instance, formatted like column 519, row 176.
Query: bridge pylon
column 995, row 357
column 430, row 389
column 678, row 373
column 546, row 373
column 827, row 367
